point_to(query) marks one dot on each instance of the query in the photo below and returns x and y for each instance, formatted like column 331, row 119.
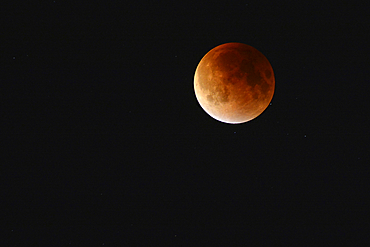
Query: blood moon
column 234, row 83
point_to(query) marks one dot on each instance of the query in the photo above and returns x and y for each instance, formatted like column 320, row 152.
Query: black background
column 105, row 142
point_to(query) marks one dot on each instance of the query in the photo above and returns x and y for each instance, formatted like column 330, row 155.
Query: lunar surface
column 234, row 83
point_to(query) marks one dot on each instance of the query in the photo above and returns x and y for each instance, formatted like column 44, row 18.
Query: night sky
column 104, row 142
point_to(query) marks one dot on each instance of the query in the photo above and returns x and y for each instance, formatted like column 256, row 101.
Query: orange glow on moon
column 234, row 83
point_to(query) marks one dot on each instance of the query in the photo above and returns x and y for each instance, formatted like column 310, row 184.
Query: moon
column 234, row 83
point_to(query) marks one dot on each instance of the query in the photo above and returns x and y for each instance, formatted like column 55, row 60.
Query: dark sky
column 105, row 142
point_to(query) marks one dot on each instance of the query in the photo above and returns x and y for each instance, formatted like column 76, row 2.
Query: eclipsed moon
column 234, row 83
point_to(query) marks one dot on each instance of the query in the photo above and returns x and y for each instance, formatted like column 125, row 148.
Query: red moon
column 234, row 83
